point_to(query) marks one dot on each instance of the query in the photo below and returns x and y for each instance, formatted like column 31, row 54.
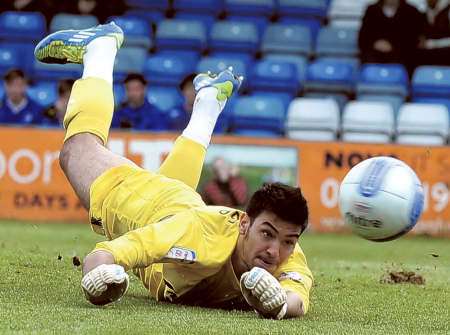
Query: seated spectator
column 180, row 116
column 390, row 33
column 54, row 115
column 226, row 188
column 16, row 106
column 136, row 112
column 434, row 47
column 101, row 9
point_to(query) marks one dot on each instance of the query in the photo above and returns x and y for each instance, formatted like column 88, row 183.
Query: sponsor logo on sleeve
column 181, row 255
column 295, row 276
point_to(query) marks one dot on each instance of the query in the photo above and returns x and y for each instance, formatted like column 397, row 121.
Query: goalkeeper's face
column 268, row 241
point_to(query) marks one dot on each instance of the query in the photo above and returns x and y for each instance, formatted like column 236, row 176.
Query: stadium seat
column 230, row 36
column 63, row 21
column 54, row 72
column 22, row 26
column 314, row 8
column 300, row 63
column 213, row 7
column 439, row 101
column 254, row 8
column 218, row 64
column 313, row 119
column 206, row 19
column 431, row 81
column 160, row 5
column 388, row 79
column 275, row 75
column 331, row 76
column 44, row 93
column 10, row 57
column 313, row 24
column 131, row 59
column 344, row 9
column 394, row 100
column 340, row 99
column 369, row 122
column 165, row 98
column 181, row 34
column 167, row 69
column 287, row 39
column 152, row 17
column 423, row 124
column 137, row 31
column 260, row 22
column 119, row 94
column 2, row 91
column 283, row 97
column 337, row 42
column 258, row 116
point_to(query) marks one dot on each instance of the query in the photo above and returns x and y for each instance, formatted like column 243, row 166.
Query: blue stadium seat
column 312, row 23
column 431, row 81
column 383, row 79
column 339, row 98
column 300, row 63
column 167, row 69
column 119, row 94
column 337, row 42
column 314, row 8
column 152, row 17
column 63, row 21
column 44, row 93
column 22, row 26
column 161, row 5
column 275, row 75
column 2, row 91
column 137, row 31
column 258, row 116
column 330, row 75
column 131, row 59
column 395, row 101
column 54, row 72
column 250, row 7
column 284, row 97
column 206, row 19
column 181, row 34
column 218, row 64
column 165, row 98
column 230, row 36
column 24, row 52
column 260, row 22
column 439, row 101
column 287, row 39
column 213, row 7
column 9, row 58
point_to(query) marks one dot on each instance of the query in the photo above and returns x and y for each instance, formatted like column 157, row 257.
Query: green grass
column 41, row 294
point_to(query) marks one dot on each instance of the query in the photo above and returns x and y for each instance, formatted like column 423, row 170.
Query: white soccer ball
column 381, row 198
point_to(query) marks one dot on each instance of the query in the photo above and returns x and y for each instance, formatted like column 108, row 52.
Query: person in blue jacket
column 16, row 107
column 136, row 111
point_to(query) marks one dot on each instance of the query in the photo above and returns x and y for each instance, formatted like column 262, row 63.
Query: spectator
column 136, row 112
column 16, row 106
column 390, row 33
column 434, row 47
column 54, row 115
column 180, row 115
column 226, row 188
column 102, row 9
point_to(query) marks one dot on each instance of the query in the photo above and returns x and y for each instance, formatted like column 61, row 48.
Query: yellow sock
column 90, row 108
column 184, row 162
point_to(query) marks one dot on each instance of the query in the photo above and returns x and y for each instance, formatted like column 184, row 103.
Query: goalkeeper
column 156, row 223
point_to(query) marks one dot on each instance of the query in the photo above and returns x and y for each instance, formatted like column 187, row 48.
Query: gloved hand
column 105, row 284
column 264, row 293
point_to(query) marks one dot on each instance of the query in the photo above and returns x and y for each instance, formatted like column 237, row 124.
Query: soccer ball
column 381, row 198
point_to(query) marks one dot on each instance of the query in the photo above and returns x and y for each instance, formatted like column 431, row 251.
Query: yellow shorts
column 125, row 198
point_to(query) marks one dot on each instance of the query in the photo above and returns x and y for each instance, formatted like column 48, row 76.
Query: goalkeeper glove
column 264, row 293
column 105, row 284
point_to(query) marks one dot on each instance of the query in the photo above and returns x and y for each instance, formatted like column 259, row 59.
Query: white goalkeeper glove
column 104, row 284
column 264, row 293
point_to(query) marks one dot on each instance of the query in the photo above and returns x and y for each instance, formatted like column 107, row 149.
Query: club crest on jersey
column 181, row 255
column 295, row 276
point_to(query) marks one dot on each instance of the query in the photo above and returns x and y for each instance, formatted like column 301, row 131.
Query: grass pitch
column 40, row 290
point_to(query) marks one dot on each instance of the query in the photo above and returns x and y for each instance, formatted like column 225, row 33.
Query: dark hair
column 284, row 201
column 186, row 80
column 13, row 74
column 65, row 86
column 135, row 76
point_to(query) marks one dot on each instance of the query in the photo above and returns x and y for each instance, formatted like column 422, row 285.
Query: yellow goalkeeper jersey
column 186, row 258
